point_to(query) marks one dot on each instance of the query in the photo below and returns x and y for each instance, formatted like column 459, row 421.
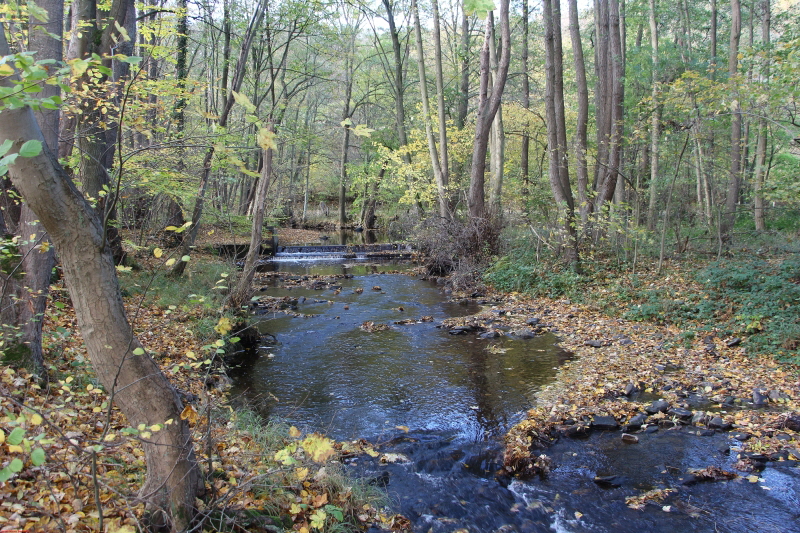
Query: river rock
column 742, row 436
column 723, row 448
column 776, row 396
column 489, row 335
column 658, row 406
column 629, row 439
column 460, row 330
column 577, row 431
column 736, row 341
column 683, row 414
column 759, row 397
column 533, row 321
column 699, row 418
column 630, row 389
column 524, row 333
column 636, row 422
column 593, row 343
column 603, row 422
column 792, row 422
column 609, row 482
column 718, row 423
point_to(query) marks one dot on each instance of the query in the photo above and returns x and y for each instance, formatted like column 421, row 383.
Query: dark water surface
column 457, row 395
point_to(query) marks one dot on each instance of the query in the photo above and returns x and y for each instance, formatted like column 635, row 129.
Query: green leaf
column 478, row 7
column 31, row 148
column 5, row 474
column 185, row 258
column 15, row 465
column 16, row 436
column 138, row 351
column 5, row 147
column 38, row 457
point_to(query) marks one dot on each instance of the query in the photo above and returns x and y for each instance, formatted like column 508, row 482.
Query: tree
column 735, row 174
column 27, row 297
column 581, row 142
column 556, row 134
column 489, row 99
column 439, row 166
column 763, row 131
column 131, row 377
column 238, row 77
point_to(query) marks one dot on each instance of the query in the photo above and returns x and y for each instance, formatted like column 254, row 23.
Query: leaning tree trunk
column 243, row 289
column 130, row 376
column 488, row 104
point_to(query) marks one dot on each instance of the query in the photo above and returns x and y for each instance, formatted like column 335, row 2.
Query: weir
column 350, row 251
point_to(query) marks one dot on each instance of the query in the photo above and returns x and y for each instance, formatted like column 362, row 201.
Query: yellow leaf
column 189, row 414
column 402, row 428
column 158, row 252
column 36, row 419
column 301, row 473
column 318, row 447
column 6, row 70
column 752, row 479
column 170, row 262
column 266, row 139
column 12, row 448
column 2, row 436
column 294, row 432
column 190, row 354
column 223, row 326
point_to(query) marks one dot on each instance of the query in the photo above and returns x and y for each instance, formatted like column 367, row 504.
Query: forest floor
column 268, row 476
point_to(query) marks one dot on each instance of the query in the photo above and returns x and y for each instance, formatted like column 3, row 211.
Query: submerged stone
column 603, row 422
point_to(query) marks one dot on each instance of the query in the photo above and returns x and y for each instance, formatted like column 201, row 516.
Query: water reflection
column 327, row 373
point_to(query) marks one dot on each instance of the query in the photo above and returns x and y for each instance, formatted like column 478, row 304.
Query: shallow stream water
column 440, row 403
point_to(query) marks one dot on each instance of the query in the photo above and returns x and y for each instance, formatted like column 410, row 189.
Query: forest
column 586, row 152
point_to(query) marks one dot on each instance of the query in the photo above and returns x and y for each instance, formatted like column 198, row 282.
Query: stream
column 438, row 404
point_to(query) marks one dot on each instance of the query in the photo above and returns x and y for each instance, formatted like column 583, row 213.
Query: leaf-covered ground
column 68, row 458
column 710, row 376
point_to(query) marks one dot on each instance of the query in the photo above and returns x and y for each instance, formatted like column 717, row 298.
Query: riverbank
column 74, row 464
column 640, row 376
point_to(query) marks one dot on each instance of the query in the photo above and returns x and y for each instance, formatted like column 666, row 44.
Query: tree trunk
column 30, row 293
column 444, row 159
column 399, row 84
column 581, row 140
column 615, row 121
column 761, row 146
column 488, row 104
column 238, row 76
column 241, row 293
column 526, row 99
column 735, row 178
column 498, row 145
column 136, row 383
column 655, row 120
column 438, row 175
column 556, row 138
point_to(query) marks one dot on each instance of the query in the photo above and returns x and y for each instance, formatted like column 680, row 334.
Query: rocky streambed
column 624, row 426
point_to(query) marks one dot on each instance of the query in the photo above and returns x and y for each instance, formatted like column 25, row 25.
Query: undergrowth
column 755, row 299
